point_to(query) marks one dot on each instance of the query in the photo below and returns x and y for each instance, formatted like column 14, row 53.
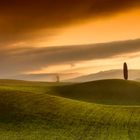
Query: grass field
column 113, row 92
column 100, row 110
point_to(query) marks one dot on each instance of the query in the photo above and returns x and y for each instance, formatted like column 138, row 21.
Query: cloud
column 22, row 20
column 18, row 60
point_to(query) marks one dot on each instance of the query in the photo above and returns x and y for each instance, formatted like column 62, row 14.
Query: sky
column 68, row 37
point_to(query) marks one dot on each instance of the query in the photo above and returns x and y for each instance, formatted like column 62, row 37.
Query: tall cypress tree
column 125, row 71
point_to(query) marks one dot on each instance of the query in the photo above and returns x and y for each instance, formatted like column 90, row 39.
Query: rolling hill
column 103, row 91
column 46, row 112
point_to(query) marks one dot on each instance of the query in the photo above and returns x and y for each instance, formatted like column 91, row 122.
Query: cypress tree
column 125, row 71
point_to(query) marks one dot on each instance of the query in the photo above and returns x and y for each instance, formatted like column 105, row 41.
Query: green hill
column 104, row 91
column 32, row 112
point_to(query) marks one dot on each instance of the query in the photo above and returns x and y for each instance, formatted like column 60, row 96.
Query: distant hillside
column 73, row 77
column 110, row 74
column 103, row 91
column 46, row 77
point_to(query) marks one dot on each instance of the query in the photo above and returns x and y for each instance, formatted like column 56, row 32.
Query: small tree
column 125, row 71
column 57, row 78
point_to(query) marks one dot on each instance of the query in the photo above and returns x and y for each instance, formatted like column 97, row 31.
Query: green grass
column 113, row 92
column 37, row 111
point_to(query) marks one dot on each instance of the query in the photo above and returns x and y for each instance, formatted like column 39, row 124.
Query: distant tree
column 57, row 78
column 125, row 71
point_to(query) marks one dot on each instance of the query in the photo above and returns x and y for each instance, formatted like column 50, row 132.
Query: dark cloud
column 20, row 19
column 17, row 61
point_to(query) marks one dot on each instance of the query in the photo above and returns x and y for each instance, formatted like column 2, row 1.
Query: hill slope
column 104, row 91
column 28, row 112
column 25, row 115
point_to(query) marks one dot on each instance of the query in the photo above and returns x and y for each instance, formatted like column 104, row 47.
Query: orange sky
column 123, row 26
column 39, row 41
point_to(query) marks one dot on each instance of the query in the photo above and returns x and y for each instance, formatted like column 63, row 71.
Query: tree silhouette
column 57, row 78
column 125, row 71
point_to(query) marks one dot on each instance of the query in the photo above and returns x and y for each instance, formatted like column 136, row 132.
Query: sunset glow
column 122, row 26
column 73, row 37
